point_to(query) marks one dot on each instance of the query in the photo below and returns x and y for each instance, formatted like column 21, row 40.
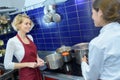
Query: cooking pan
column 54, row 61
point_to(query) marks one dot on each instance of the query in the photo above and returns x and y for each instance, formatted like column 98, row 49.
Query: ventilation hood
column 7, row 9
column 51, row 2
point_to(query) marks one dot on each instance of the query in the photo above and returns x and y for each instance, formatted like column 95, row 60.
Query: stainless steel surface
column 78, row 46
column 80, row 50
column 56, row 17
column 59, row 76
column 54, row 61
column 8, row 74
column 7, row 9
column 48, row 17
column 63, row 49
column 67, row 58
column 79, row 54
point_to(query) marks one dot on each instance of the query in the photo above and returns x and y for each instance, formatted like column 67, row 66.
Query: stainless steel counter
column 9, row 74
column 60, row 76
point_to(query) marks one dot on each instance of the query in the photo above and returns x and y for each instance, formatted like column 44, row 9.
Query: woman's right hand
column 84, row 59
column 32, row 65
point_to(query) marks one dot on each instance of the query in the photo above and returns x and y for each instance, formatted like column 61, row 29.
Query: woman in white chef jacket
column 24, row 49
column 104, row 50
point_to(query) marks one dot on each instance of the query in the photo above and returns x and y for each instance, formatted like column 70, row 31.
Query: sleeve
column 92, row 71
column 10, row 48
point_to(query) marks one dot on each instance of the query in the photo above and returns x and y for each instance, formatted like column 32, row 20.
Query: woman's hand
column 32, row 64
column 40, row 62
column 84, row 59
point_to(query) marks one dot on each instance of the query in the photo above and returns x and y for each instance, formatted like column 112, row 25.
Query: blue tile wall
column 76, row 26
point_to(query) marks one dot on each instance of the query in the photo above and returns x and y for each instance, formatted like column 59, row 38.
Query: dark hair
column 110, row 9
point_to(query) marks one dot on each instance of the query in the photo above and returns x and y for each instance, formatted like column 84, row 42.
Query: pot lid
column 83, row 45
column 63, row 48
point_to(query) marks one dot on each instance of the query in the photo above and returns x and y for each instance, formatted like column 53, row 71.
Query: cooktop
column 69, row 68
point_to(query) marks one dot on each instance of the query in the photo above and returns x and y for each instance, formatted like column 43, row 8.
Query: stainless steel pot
column 65, row 49
column 54, row 61
column 79, row 54
column 67, row 57
column 80, row 50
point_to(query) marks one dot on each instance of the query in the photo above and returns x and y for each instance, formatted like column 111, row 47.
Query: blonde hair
column 19, row 19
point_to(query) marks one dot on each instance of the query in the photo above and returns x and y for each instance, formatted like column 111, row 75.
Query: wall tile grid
column 76, row 26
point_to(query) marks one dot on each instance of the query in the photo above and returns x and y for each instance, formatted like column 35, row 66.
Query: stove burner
column 70, row 68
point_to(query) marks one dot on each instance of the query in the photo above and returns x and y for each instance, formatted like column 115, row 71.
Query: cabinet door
column 49, row 78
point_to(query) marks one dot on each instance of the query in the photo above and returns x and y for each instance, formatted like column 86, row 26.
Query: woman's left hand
column 40, row 62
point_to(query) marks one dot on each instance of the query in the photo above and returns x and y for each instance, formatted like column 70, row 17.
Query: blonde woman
column 23, row 48
column 104, row 50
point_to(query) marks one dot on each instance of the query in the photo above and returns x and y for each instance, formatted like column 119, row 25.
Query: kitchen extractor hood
column 51, row 2
column 7, row 9
column 5, row 13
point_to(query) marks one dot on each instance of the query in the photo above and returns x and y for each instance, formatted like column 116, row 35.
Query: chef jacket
column 104, row 55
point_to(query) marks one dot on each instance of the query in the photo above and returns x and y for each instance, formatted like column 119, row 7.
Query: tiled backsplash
column 76, row 26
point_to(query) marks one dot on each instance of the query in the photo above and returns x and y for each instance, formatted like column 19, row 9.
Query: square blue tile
column 71, row 8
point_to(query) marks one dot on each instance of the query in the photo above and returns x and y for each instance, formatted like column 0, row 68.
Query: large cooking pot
column 54, row 61
column 80, row 50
